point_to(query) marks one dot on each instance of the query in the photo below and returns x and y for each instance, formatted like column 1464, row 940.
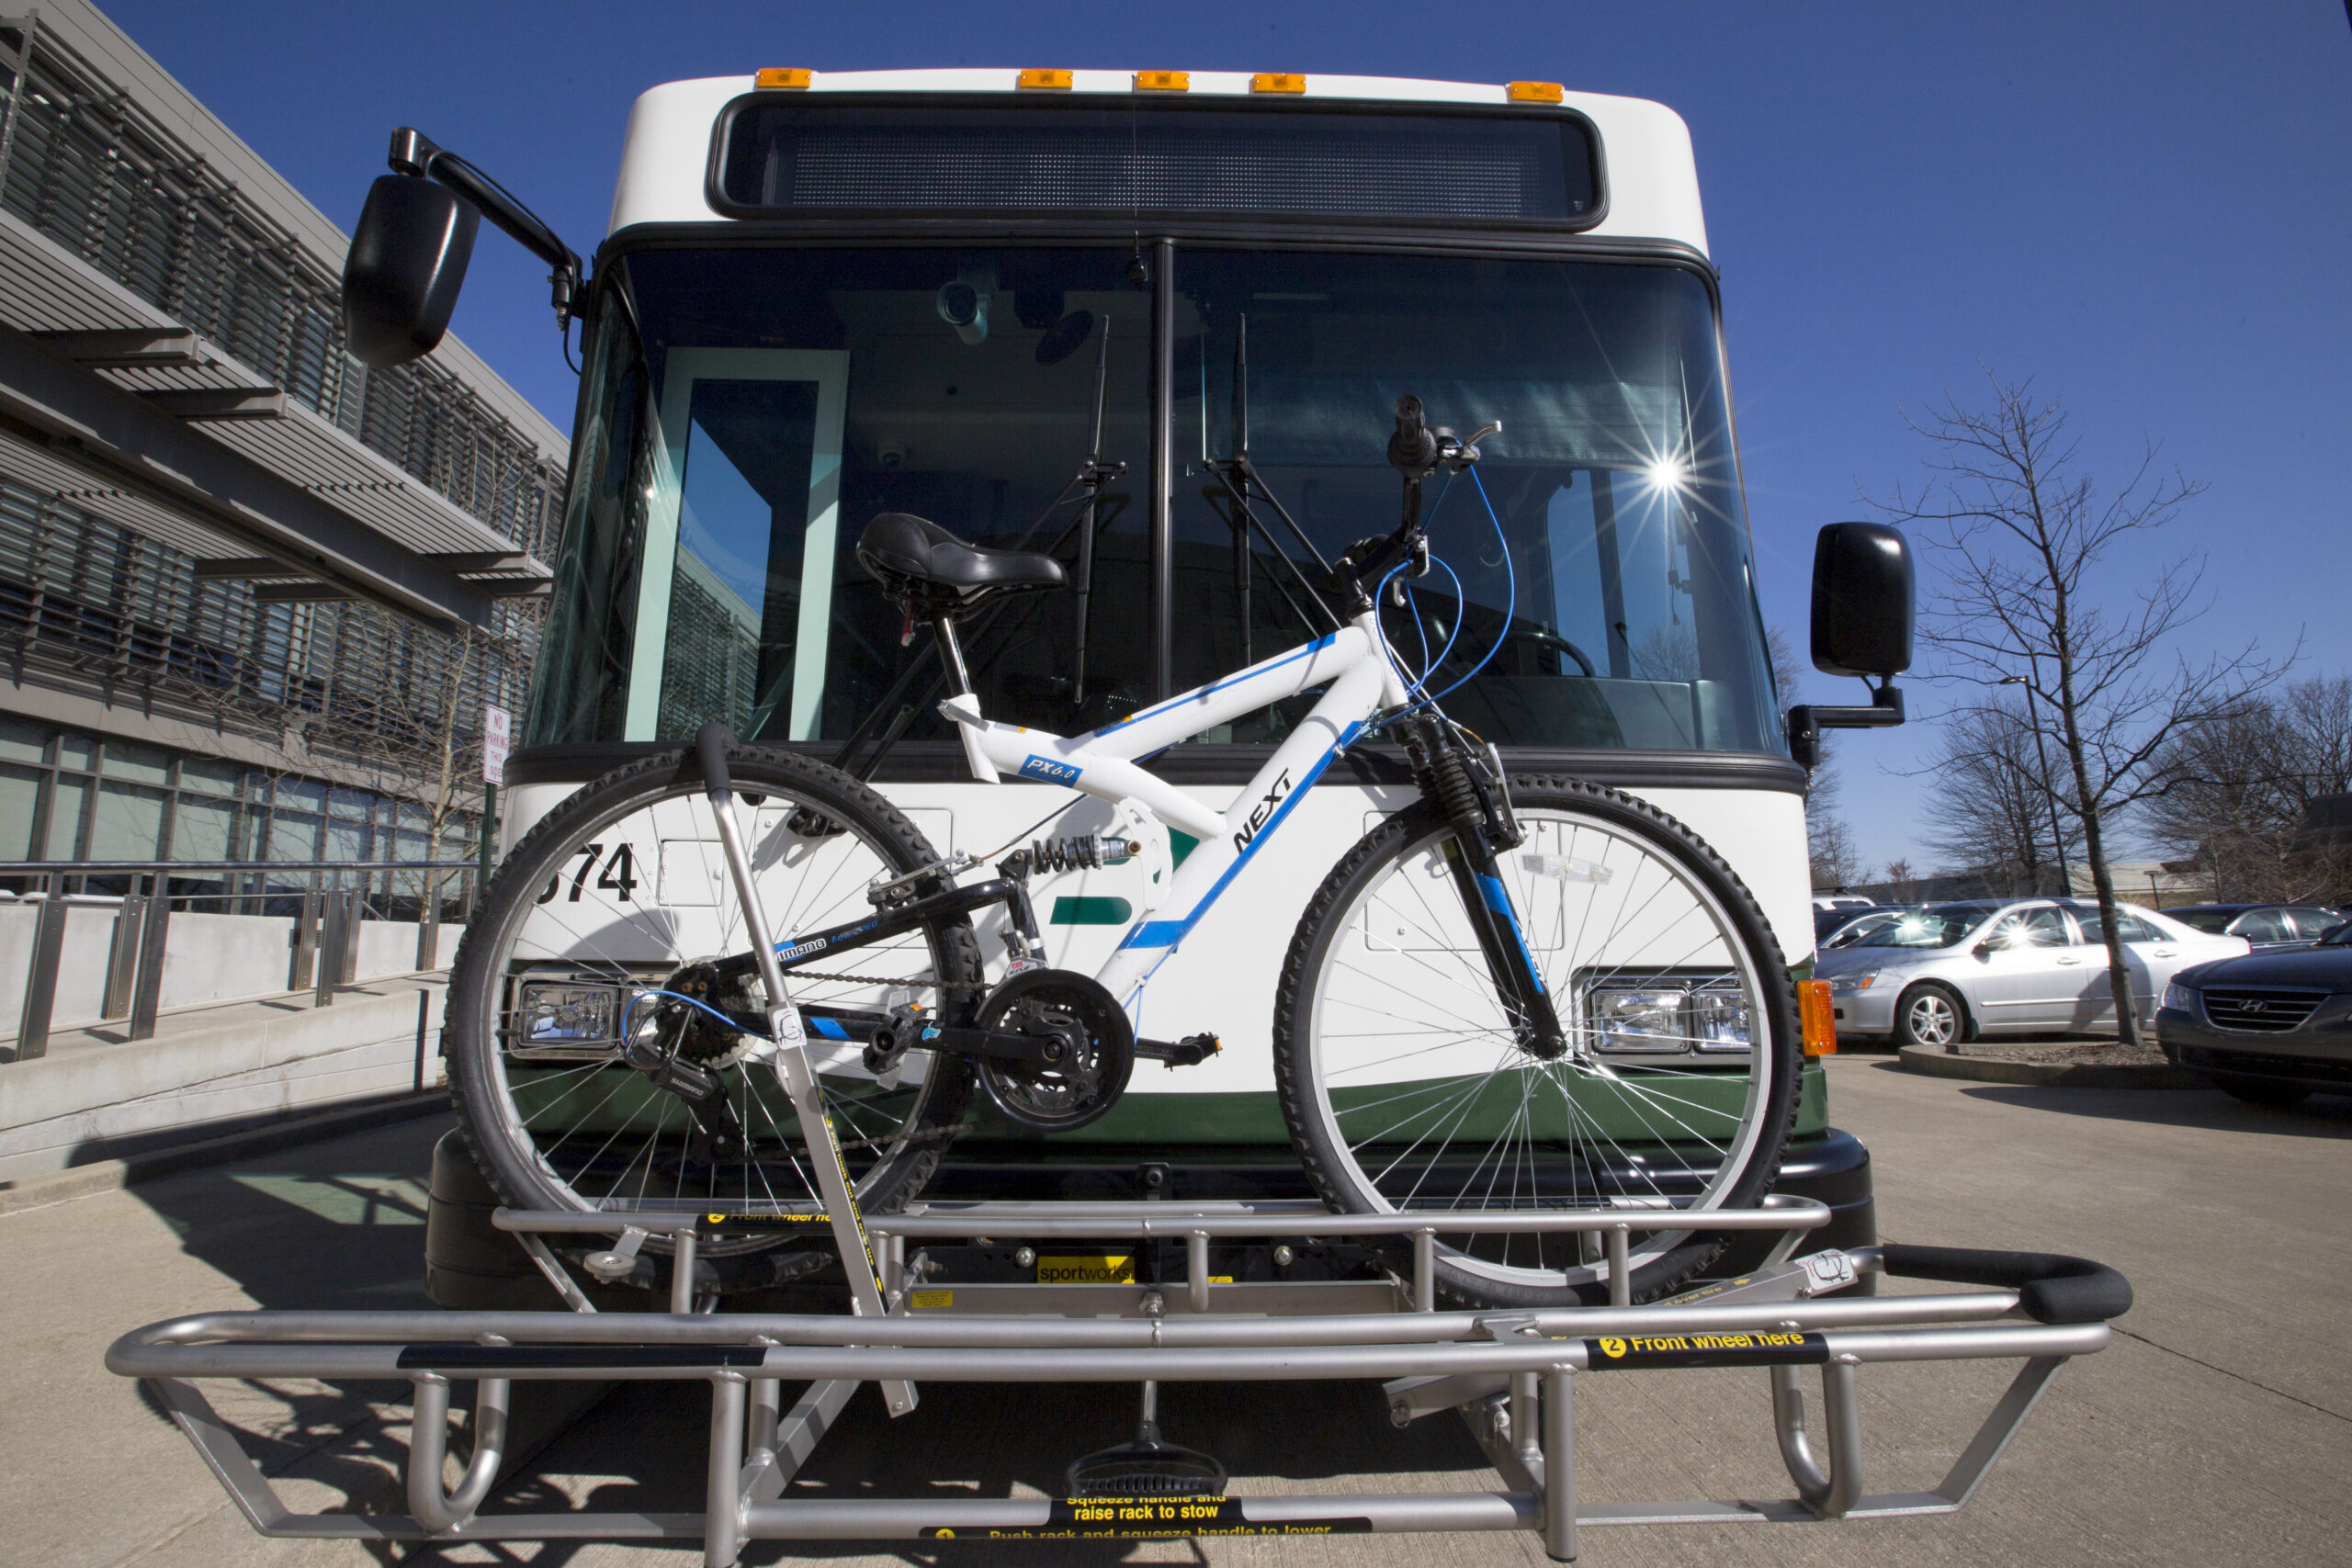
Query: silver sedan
column 1944, row 972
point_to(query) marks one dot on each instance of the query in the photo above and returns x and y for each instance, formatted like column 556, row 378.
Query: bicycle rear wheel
column 610, row 897
column 1404, row 1087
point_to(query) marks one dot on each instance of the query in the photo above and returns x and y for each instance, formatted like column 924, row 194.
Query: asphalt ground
column 2217, row 1428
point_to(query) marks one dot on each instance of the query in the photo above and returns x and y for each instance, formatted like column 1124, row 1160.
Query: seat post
column 944, row 624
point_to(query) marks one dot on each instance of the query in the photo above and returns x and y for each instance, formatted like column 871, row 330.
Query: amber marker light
column 1535, row 92
column 1820, row 1018
column 1040, row 79
column 781, row 76
column 1278, row 82
column 1163, row 80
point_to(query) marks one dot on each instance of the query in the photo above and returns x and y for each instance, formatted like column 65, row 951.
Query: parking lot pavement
column 2216, row 1429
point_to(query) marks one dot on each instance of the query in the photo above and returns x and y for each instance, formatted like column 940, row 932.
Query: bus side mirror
column 1861, row 626
column 407, row 262
column 1862, row 586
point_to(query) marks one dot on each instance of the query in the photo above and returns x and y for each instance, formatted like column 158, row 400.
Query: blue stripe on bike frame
column 830, row 1027
column 1491, row 890
column 1168, row 933
column 1195, row 694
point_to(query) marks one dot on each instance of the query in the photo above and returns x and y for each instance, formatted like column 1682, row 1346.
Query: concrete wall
column 215, row 1069
column 206, row 958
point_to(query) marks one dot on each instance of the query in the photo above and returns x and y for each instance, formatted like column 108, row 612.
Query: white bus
column 1156, row 322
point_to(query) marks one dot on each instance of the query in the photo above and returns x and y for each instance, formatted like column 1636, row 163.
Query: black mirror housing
column 1862, row 589
column 407, row 262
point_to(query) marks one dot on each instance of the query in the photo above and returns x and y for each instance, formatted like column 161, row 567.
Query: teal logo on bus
column 1050, row 770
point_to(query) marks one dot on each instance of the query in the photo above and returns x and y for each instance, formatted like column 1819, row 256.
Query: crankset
column 1085, row 1049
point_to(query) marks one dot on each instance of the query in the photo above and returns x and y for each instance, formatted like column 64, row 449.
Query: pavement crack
column 2240, row 1377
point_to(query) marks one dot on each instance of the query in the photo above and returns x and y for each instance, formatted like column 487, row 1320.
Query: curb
column 105, row 1176
column 1936, row 1064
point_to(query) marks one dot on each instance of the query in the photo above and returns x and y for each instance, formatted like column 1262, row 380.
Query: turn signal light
column 1043, row 78
column 1820, row 1017
column 780, row 77
column 1535, row 92
column 1278, row 82
column 1163, row 80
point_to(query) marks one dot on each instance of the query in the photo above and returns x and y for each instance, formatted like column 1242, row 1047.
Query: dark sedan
column 2271, row 1028
column 2264, row 925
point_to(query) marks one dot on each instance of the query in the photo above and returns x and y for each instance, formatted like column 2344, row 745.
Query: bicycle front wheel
column 1405, row 1088
column 615, row 894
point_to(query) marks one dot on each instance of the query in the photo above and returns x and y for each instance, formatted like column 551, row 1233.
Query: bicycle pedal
column 1189, row 1052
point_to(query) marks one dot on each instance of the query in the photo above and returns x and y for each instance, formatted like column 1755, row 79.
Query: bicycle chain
column 791, row 975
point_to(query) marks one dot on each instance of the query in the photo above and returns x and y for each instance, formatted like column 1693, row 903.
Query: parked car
column 2271, row 1029
column 2264, row 925
column 1843, row 928
column 1830, row 922
column 1943, row 973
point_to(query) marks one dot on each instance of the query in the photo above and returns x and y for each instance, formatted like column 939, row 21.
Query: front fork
column 1477, row 803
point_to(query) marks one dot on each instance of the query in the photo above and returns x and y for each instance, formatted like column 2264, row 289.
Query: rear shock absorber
column 1083, row 851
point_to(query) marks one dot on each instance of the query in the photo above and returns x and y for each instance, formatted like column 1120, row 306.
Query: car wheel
column 1933, row 1015
column 2260, row 1091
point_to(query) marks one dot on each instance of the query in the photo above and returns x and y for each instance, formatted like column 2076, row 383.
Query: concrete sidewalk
column 2216, row 1430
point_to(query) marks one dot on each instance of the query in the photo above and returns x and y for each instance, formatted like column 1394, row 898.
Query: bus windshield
column 751, row 409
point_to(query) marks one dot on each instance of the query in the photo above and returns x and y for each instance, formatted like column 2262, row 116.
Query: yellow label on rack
column 1114, row 1269
column 931, row 1301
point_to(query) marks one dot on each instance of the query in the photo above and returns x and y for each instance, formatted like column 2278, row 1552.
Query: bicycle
column 1536, row 992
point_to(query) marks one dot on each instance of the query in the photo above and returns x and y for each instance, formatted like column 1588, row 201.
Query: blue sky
column 2147, row 209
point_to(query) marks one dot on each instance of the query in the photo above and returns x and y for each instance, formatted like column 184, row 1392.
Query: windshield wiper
column 1238, row 475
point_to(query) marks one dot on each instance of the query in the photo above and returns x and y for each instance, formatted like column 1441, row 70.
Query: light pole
column 2057, row 833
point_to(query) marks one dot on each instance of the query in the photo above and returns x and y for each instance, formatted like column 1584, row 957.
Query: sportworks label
column 1111, row 1269
column 1263, row 810
column 1050, row 770
column 1145, row 1518
column 1706, row 1350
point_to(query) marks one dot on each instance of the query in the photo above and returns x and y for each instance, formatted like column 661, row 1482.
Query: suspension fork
column 1482, row 825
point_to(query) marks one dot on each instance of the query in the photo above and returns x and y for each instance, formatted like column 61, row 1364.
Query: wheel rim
column 1933, row 1022
column 596, row 1134
column 1426, row 1110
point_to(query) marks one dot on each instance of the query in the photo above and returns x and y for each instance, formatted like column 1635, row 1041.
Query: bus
column 1155, row 320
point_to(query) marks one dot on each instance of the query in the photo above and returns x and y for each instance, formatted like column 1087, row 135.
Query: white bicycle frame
column 1364, row 681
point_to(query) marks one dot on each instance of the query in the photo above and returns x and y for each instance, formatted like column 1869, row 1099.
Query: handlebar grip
column 710, row 749
column 1413, row 448
column 2051, row 1286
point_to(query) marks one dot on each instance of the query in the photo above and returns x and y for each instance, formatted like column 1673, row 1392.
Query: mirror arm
column 1806, row 721
column 414, row 152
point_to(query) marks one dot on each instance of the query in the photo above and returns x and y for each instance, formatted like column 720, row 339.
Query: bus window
column 1615, row 609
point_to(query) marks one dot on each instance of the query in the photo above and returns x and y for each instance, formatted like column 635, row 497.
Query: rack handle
column 2051, row 1286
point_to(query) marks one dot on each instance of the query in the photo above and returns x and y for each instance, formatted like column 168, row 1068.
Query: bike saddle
column 899, row 547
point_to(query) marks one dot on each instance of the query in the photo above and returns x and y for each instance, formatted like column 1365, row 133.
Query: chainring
column 1090, row 1073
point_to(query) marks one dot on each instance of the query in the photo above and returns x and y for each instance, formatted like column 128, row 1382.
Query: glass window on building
column 293, row 836
column 204, row 829
column 146, row 764
column 209, row 777
column 78, row 751
column 128, row 824
column 19, row 806
column 23, row 742
column 66, row 808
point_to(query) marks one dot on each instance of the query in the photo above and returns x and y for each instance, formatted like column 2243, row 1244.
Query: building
column 257, row 613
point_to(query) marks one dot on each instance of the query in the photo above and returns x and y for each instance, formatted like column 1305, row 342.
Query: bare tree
column 1902, row 882
column 1992, row 809
column 2239, row 790
column 2020, row 535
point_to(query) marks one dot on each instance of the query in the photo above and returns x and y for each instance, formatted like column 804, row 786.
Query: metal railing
column 325, row 942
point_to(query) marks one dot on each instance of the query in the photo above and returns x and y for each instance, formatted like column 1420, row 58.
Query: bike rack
column 1511, row 1375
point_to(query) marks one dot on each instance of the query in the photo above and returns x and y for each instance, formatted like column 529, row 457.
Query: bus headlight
column 1719, row 1018
column 1637, row 1018
column 566, row 1017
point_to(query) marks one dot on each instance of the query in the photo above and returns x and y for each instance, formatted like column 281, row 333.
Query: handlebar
column 2051, row 1286
column 1413, row 448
